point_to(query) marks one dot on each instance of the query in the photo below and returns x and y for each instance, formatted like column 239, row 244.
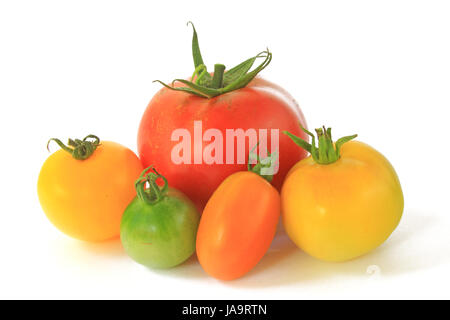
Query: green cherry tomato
column 159, row 227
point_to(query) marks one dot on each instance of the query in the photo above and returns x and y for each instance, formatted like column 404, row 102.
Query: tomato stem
column 79, row 149
column 207, row 86
column 217, row 80
column 199, row 73
column 154, row 193
column 327, row 152
column 263, row 167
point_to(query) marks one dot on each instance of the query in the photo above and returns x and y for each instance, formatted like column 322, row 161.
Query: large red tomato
column 231, row 100
column 259, row 105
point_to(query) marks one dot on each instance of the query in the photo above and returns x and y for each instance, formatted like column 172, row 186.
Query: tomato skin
column 160, row 235
column 260, row 105
column 339, row 211
column 237, row 226
column 85, row 199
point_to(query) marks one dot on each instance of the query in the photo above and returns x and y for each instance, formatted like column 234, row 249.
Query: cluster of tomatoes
column 340, row 202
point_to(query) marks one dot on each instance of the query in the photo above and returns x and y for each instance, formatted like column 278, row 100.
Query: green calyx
column 153, row 193
column 263, row 167
column 327, row 152
column 79, row 149
column 207, row 86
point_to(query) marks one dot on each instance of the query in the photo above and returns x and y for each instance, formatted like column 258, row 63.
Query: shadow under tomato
column 284, row 264
column 404, row 252
column 189, row 269
column 112, row 248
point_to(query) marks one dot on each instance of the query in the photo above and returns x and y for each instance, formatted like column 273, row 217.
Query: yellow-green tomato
column 341, row 202
column 159, row 226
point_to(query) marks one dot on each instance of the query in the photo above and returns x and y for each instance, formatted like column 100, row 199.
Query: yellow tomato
column 85, row 199
column 340, row 209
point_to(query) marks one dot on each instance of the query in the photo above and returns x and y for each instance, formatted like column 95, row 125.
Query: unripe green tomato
column 160, row 234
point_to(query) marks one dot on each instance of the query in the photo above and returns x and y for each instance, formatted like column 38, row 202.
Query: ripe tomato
column 238, row 225
column 85, row 199
column 159, row 226
column 342, row 206
column 243, row 104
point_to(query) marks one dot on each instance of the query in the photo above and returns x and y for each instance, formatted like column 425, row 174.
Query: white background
column 377, row 68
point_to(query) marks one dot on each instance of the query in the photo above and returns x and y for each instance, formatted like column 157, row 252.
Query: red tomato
column 259, row 105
